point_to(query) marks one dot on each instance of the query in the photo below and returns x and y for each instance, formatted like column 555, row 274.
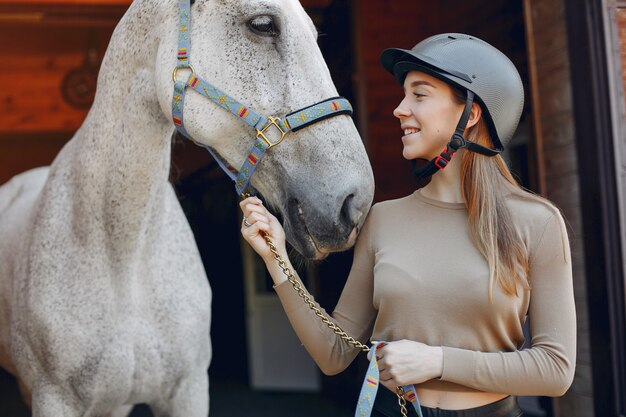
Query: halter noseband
column 292, row 122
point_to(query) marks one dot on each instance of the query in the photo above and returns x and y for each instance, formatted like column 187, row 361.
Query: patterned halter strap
column 264, row 141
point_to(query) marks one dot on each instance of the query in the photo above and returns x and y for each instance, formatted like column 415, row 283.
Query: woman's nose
column 401, row 111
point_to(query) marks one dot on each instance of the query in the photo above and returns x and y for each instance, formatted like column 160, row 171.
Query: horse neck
column 122, row 151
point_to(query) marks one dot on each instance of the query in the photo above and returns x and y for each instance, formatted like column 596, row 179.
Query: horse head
column 264, row 53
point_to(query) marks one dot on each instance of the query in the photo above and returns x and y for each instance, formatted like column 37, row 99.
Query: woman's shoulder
column 527, row 207
column 538, row 221
column 542, row 226
column 393, row 205
column 386, row 211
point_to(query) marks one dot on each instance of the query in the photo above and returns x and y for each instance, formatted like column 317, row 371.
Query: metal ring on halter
column 246, row 222
column 189, row 67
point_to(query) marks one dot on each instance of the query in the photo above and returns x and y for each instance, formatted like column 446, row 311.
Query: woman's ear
column 475, row 115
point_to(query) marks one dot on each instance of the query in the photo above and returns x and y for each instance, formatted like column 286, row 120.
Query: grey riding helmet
column 471, row 65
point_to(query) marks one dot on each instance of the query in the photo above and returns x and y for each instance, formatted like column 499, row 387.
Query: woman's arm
column 354, row 312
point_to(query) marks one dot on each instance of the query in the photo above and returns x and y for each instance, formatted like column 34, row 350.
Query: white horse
column 104, row 302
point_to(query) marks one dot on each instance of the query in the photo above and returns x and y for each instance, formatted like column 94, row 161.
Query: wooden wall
column 552, row 108
column 49, row 61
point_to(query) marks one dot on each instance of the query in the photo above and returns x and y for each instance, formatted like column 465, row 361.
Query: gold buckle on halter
column 261, row 133
column 188, row 67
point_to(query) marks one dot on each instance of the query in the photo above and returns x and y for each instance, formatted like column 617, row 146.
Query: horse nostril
column 349, row 213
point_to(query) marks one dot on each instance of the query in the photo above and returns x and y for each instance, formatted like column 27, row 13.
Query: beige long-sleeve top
column 417, row 275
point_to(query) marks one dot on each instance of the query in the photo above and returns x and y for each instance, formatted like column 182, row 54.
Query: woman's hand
column 260, row 220
column 406, row 362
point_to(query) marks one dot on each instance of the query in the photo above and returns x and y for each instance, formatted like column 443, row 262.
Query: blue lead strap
column 370, row 388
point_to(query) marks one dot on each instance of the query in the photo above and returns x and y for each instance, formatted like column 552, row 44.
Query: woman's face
column 428, row 116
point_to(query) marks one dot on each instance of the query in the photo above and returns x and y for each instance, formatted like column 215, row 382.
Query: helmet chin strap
column 426, row 169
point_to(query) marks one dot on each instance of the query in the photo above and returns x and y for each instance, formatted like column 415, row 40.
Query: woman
column 447, row 275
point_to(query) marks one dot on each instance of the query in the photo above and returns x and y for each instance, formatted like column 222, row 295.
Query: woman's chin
column 410, row 155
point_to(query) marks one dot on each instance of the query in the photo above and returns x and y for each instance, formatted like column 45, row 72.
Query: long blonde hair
column 485, row 181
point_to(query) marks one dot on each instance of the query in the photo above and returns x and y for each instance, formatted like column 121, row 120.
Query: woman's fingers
column 252, row 208
column 255, row 229
column 249, row 203
column 254, row 205
column 256, row 217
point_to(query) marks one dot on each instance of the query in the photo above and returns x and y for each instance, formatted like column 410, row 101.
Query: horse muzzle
column 316, row 229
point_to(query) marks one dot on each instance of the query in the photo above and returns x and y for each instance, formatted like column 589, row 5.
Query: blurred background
column 570, row 147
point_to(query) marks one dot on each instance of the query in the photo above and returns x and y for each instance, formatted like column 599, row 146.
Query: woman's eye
column 418, row 95
column 264, row 26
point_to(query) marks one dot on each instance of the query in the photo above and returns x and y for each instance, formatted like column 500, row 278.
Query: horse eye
column 264, row 26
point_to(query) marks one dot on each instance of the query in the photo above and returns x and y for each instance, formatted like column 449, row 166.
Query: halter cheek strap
column 263, row 125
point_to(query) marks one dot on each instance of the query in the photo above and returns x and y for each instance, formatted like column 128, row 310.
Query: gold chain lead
column 334, row 327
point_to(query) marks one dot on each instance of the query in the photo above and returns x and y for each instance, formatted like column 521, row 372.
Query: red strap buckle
column 441, row 162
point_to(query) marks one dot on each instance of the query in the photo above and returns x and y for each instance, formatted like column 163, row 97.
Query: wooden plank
column 554, row 66
column 545, row 13
column 563, row 190
column 552, row 40
column 558, row 131
column 556, row 97
column 536, row 142
column 32, row 70
column 561, row 161
column 90, row 14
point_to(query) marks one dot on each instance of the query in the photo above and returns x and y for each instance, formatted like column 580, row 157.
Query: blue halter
column 292, row 122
